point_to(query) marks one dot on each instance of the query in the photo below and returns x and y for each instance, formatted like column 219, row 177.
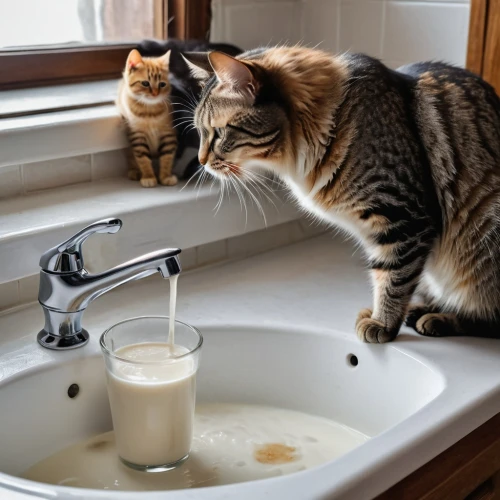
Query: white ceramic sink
column 278, row 331
column 301, row 370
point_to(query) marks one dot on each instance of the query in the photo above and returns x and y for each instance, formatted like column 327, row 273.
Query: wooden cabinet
column 483, row 54
column 469, row 470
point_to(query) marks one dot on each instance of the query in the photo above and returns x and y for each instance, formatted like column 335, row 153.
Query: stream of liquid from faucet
column 173, row 300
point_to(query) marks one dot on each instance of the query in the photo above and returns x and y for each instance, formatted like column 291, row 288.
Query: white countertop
column 315, row 284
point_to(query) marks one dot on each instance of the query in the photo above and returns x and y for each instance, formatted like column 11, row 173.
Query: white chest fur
column 351, row 225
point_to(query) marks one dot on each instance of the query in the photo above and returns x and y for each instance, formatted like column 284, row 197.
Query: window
column 31, row 23
column 58, row 41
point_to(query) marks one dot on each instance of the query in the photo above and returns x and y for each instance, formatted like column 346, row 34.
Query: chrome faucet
column 67, row 288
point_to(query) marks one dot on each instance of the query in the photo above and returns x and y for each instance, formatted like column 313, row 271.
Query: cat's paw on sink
column 371, row 330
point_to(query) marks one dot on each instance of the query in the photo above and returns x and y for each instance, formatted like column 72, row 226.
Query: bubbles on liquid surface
column 226, row 439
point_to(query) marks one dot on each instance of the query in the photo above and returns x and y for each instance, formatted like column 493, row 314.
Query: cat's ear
column 165, row 58
column 199, row 64
column 134, row 60
column 233, row 72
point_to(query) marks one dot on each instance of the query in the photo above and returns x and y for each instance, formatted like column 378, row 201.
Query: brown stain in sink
column 275, row 453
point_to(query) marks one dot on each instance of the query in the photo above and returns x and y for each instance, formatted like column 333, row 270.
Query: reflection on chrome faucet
column 67, row 288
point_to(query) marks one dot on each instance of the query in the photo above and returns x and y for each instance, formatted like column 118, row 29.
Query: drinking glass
column 151, row 389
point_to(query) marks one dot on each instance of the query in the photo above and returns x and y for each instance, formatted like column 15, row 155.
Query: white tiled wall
column 11, row 183
column 253, row 23
column 425, row 30
column 109, row 164
column 49, row 174
column 398, row 31
column 17, row 180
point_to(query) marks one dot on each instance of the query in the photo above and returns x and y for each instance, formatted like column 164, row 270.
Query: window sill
column 60, row 134
column 34, row 101
column 59, row 122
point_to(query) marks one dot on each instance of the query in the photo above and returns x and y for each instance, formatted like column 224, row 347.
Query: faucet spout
column 166, row 262
column 65, row 295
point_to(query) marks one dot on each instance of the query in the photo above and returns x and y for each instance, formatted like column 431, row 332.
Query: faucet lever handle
column 67, row 257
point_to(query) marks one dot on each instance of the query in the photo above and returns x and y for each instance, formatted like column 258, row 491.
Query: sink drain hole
column 352, row 360
column 73, row 390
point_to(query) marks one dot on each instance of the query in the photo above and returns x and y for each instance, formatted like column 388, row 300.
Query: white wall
column 253, row 23
column 397, row 31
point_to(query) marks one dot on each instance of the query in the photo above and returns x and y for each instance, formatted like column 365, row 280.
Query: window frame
column 56, row 65
column 189, row 19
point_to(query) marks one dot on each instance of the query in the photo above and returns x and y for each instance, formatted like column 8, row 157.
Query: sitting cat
column 184, row 89
column 144, row 103
column 407, row 161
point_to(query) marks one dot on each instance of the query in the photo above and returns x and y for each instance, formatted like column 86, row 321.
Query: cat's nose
column 154, row 92
column 203, row 154
column 203, row 158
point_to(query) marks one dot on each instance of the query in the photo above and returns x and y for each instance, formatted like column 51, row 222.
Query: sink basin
column 414, row 397
column 324, row 373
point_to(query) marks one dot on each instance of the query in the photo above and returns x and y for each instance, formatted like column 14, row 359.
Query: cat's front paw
column 437, row 325
column 169, row 180
column 363, row 314
column 415, row 312
column 149, row 182
column 372, row 331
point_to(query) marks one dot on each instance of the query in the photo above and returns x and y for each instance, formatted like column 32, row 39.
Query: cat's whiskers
column 182, row 111
column 196, row 174
column 232, row 173
column 259, row 187
column 193, row 99
column 188, row 102
column 185, row 122
column 187, row 130
column 201, row 181
column 262, row 179
column 252, row 195
column 259, row 182
column 183, row 117
column 182, row 122
column 221, row 197
column 241, row 197
column 183, row 114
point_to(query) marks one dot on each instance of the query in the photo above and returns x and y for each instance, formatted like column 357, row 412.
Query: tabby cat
column 143, row 101
column 183, row 88
column 407, row 161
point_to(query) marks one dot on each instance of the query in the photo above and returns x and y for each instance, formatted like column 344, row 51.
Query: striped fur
column 407, row 162
column 143, row 101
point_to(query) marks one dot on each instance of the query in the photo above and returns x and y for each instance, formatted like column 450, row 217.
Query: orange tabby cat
column 143, row 101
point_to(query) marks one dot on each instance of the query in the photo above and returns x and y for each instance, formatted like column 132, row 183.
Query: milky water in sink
column 232, row 443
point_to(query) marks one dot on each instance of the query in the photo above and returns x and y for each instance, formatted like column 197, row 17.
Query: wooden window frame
column 58, row 64
column 189, row 19
column 483, row 51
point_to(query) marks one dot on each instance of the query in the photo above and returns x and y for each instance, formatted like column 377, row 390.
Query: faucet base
column 58, row 343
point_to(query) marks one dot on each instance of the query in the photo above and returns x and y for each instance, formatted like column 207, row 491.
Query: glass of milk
column 151, row 388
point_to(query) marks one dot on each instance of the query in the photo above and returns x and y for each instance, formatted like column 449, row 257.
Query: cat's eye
column 218, row 132
column 145, row 83
column 163, row 85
